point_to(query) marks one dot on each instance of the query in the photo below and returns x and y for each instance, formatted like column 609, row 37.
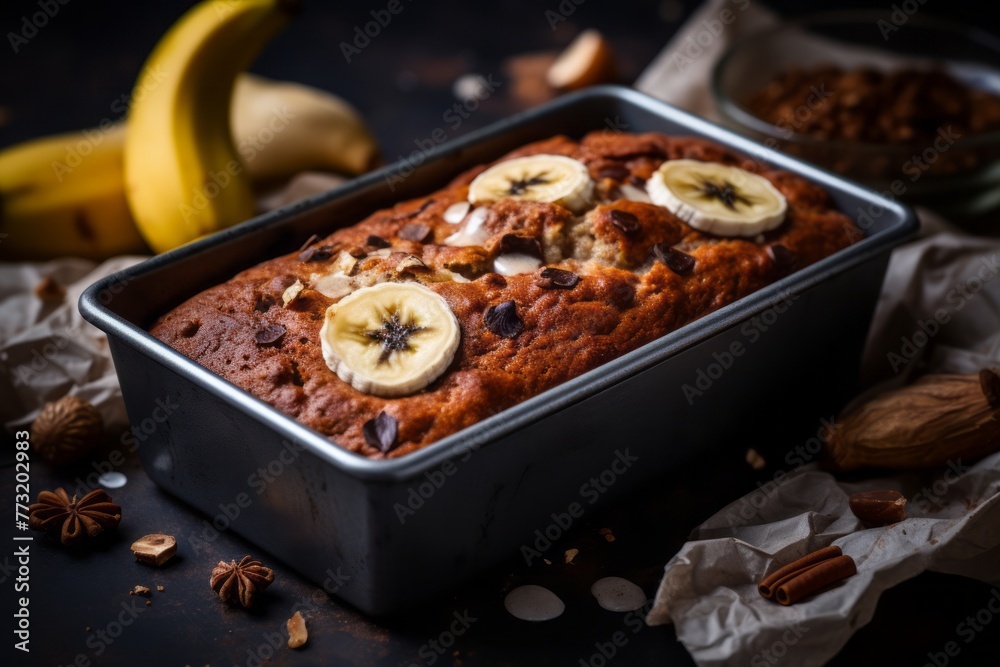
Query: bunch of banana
column 183, row 174
column 281, row 129
column 66, row 195
column 391, row 339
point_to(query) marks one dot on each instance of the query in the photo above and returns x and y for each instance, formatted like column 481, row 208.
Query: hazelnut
column 66, row 430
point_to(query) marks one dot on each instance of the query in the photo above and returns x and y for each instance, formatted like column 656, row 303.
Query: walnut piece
column 241, row 582
column 297, row 633
column 66, row 430
column 155, row 549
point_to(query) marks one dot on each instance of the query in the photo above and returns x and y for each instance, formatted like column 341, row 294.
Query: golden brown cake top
column 638, row 271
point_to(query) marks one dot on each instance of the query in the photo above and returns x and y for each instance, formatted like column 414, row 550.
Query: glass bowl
column 954, row 175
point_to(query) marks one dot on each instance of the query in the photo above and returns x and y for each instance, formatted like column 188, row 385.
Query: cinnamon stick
column 815, row 578
column 770, row 583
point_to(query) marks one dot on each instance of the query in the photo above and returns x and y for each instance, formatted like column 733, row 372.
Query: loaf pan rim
column 577, row 389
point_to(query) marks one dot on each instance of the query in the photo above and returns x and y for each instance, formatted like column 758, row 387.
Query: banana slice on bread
column 544, row 178
column 391, row 339
column 717, row 198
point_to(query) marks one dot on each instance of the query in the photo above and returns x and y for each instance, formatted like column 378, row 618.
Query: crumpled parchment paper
column 47, row 350
column 939, row 311
column 953, row 514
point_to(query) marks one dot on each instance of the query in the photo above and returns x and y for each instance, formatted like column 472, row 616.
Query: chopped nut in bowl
column 913, row 113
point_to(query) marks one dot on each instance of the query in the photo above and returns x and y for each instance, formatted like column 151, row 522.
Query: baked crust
column 624, row 299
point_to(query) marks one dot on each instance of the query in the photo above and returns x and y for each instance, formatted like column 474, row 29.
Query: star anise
column 241, row 581
column 725, row 193
column 74, row 520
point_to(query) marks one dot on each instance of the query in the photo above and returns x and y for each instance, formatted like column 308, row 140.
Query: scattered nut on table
column 297, row 633
column 155, row 549
column 755, row 460
column 877, row 508
column 65, row 430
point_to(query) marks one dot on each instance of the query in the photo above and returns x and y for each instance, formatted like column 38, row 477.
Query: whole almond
column 877, row 508
column 937, row 419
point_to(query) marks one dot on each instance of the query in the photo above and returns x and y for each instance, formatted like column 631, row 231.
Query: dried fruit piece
column 270, row 334
column 877, row 508
column 381, row 432
column 782, row 257
column 679, row 262
column 314, row 254
column 416, row 232
column 937, row 419
column 520, row 245
column 74, row 520
column 627, row 222
column 241, row 582
column 155, row 549
column 551, row 278
column 615, row 171
column 378, row 242
column 66, row 430
column 503, row 320
column 297, row 633
column 357, row 252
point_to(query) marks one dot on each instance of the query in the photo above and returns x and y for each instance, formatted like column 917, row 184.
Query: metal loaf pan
column 474, row 498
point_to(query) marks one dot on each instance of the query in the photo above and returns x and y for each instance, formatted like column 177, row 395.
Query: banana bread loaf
column 434, row 314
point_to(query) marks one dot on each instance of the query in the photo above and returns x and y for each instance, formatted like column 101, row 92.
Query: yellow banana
column 64, row 195
column 183, row 175
column 282, row 128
